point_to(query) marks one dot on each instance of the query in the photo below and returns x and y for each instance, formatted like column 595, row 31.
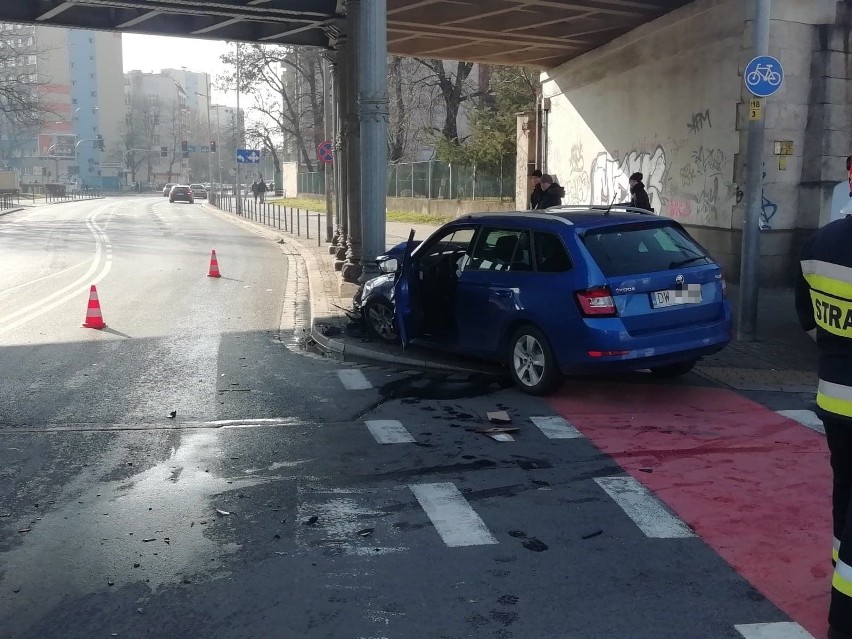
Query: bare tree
column 265, row 135
column 138, row 134
column 23, row 109
column 453, row 88
column 286, row 84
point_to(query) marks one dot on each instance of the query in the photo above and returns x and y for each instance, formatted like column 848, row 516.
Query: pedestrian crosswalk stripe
column 647, row 512
column 805, row 418
column 389, row 431
column 353, row 379
column 555, row 427
column 778, row 630
column 454, row 519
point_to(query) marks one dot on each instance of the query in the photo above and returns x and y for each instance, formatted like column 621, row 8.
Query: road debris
column 222, row 513
column 646, row 470
column 594, row 533
column 311, row 520
column 110, row 582
column 25, row 530
column 147, row 539
column 366, row 532
column 499, row 416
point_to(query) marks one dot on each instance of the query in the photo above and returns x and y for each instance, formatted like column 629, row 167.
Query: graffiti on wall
column 610, row 178
column 577, row 187
column 768, row 209
column 685, row 178
column 696, row 125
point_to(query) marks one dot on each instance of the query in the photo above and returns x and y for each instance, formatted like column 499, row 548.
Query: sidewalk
column 783, row 359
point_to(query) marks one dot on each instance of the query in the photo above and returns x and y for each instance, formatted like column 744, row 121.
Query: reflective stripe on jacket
column 824, row 302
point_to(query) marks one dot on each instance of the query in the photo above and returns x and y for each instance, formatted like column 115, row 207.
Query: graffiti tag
column 698, row 121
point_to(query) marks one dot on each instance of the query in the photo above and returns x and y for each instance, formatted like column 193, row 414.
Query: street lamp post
column 209, row 133
column 77, row 145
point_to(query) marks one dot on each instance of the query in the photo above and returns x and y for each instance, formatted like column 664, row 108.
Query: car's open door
column 406, row 303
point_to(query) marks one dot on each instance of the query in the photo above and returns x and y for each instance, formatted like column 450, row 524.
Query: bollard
column 278, row 213
column 307, row 224
column 298, row 222
column 319, row 241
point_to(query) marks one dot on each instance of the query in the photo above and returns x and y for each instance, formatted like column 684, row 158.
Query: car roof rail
column 604, row 209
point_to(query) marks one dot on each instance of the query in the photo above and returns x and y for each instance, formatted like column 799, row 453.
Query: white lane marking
column 46, row 277
column 353, row 379
column 779, row 630
column 249, row 422
column 453, row 518
column 92, row 276
column 647, row 512
column 389, row 431
column 555, row 427
column 805, row 418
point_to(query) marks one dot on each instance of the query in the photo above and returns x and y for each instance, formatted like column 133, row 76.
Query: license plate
column 690, row 295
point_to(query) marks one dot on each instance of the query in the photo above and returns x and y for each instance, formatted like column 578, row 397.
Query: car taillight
column 596, row 302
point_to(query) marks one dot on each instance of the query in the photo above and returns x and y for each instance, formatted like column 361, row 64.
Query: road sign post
column 763, row 77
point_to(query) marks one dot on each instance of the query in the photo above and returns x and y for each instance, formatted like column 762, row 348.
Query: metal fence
column 436, row 180
column 299, row 222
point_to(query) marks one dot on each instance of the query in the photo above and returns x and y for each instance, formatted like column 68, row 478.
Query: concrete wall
column 446, row 208
column 668, row 100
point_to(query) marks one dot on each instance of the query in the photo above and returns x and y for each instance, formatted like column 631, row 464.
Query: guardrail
column 285, row 218
column 61, row 196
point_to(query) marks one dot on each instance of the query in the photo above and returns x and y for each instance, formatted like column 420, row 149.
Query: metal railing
column 62, row 195
column 436, row 180
column 296, row 221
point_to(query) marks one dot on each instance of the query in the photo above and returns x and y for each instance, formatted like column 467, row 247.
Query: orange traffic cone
column 94, row 319
column 214, row 266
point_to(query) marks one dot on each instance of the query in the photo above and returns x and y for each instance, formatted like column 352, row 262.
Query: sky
column 153, row 53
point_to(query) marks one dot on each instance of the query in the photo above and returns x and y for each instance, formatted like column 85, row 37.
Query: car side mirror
column 389, row 266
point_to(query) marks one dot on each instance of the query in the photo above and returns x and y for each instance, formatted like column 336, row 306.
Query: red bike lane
column 754, row 485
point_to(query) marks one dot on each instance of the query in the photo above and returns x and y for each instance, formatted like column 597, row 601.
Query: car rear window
column 630, row 250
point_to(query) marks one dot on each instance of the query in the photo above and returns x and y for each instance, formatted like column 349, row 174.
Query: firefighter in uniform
column 824, row 302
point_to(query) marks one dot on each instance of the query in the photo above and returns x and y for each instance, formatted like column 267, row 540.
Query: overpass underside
column 358, row 35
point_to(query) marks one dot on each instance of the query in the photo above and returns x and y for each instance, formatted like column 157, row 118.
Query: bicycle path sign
column 763, row 76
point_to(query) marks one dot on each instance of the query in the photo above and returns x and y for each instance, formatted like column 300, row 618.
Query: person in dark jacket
column 535, row 196
column 551, row 193
column 824, row 303
column 638, row 195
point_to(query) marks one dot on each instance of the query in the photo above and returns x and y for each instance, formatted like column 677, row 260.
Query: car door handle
column 503, row 293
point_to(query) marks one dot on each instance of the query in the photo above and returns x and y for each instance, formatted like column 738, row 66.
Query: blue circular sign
column 763, row 76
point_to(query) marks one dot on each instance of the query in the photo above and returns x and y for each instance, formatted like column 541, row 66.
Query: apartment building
column 75, row 72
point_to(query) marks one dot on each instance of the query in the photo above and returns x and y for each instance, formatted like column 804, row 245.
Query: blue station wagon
column 572, row 290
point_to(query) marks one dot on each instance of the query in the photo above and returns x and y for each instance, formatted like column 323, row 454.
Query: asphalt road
column 292, row 496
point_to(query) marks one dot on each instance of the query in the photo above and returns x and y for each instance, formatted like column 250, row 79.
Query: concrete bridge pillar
column 373, row 112
column 351, row 269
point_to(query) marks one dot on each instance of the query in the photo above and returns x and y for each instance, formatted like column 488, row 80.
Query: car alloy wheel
column 380, row 320
column 532, row 363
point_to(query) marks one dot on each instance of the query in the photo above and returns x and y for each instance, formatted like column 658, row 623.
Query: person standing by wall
column 824, row 303
column 638, row 195
column 551, row 193
column 535, row 196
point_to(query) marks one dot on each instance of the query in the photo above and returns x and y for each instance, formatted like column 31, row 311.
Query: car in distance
column 198, row 190
column 181, row 193
column 571, row 290
column 167, row 189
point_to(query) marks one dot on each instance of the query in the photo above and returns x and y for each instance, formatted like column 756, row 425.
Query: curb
column 340, row 348
column 7, row 211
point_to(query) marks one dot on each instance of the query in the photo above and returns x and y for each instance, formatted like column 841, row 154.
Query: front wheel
column 673, row 370
column 379, row 315
column 532, row 363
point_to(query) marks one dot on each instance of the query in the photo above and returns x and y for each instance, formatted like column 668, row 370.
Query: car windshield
column 630, row 250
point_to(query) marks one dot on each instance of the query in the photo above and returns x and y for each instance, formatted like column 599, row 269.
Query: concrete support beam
column 373, row 113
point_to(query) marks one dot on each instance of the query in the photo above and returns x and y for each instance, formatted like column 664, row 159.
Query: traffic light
column 184, row 147
column 213, row 147
column 100, row 142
